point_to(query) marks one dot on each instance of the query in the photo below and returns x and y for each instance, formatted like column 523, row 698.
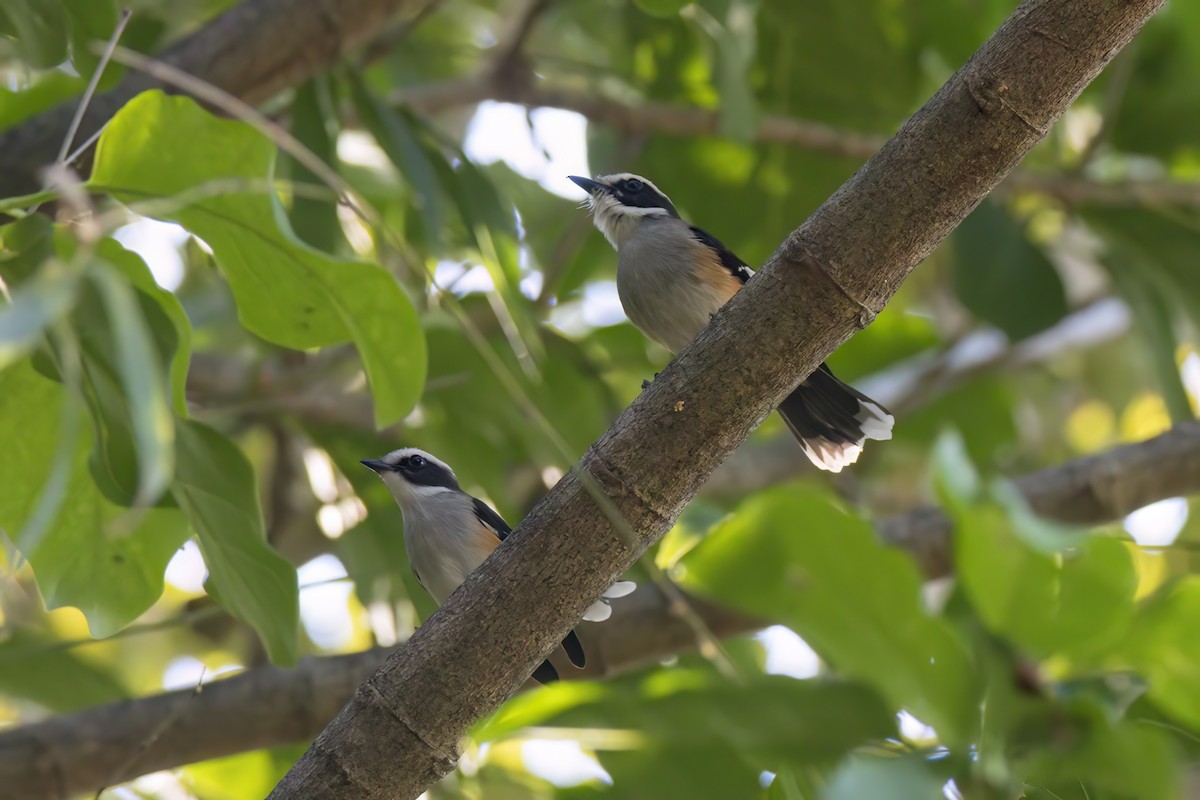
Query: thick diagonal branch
column 826, row 281
column 267, row 706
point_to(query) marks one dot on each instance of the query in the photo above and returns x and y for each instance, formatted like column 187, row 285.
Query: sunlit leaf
column 795, row 556
column 209, row 175
column 106, row 560
column 36, row 667
column 725, row 733
column 1164, row 644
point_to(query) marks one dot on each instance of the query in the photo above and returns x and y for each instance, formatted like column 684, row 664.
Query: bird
column 448, row 534
column 672, row 277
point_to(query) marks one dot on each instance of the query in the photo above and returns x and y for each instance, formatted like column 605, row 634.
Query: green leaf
column 395, row 135
column 171, row 331
column 92, row 23
column 1047, row 587
column 1164, row 646
column 216, row 487
column 169, row 149
column 143, row 383
column 41, row 30
column 35, row 667
column 1150, row 261
column 769, row 720
column 795, row 556
column 1002, row 277
column 105, row 560
column 42, row 289
column 45, row 92
column 1079, row 751
column 126, row 329
column 314, row 124
column 882, row 778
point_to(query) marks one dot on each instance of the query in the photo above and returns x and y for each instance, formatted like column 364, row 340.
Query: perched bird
column 672, row 277
column 448, row 533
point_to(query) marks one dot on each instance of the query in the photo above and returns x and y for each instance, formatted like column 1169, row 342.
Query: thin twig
column 88, row 93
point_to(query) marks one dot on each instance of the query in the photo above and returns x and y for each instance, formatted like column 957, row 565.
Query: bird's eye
column 416, row 462
column 632, row 185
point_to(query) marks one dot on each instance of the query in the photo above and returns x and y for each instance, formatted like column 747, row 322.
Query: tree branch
column 401, row 730
column 268, row 706
column 253, row 51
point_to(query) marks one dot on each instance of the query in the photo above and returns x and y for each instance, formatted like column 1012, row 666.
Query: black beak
column 376, row 464
column 588, row 185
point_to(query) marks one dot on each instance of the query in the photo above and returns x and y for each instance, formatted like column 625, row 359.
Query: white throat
column 619, row 222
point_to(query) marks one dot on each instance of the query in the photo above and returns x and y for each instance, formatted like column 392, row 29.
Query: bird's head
column 413, row 474
column 622, row 202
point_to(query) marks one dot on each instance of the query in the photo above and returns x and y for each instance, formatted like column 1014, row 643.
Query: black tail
column 832, row 420
column 546, row 673
column 574, row 650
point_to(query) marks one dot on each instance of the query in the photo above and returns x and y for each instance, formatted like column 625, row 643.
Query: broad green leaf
column 1045, row 603
column 40, row 27
column 106, row 560
column 46, row 91
column 36, row 667
column 1046, row 587
column 169, row 150
column 1164, row 646
column 142, row 380
column 769, row 719
column 216, row 487
column 795, row 556
column 1002, row 277
column 883, row 778
column 314, row 124
column 1078, row 750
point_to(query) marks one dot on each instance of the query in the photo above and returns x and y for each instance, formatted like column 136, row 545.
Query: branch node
column 801, row 256
column 448, row 760
column 613, row 484
column 990, row 95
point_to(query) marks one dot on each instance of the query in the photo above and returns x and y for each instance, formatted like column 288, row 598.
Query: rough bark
column 252, row 51
column 268, row 706
column 401, row 730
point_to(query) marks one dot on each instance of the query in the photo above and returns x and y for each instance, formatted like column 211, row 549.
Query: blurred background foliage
column 196, row 350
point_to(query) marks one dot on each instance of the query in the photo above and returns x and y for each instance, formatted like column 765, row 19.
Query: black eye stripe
column 631, row 185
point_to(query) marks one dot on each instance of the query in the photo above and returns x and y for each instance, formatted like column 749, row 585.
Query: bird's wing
column 491, row 519
column 738, row 268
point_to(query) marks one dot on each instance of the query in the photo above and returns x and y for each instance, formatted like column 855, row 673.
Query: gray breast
column 443, row 540
column 660, row 295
